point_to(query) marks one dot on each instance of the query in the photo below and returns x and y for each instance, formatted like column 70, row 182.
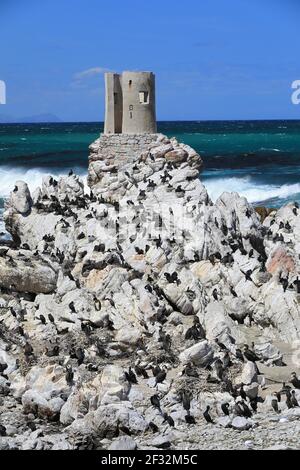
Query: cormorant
column 69, row 375
column 168, row 419
column 160, row 377
column 189, row 419
column 155, row 401
column 274, row 404
column 207, row 416
column 225, row 408
column 130, row 376
column 295, row 381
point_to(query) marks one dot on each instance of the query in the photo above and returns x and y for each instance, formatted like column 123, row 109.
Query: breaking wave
column 253, row 192
column 33, row 177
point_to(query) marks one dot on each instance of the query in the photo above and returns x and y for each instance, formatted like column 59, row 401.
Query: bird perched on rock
column 233, row 292
column 249, row 354
column 186, row 401
column 28, row 349
column 239, row 355
column 80, row 355
column 215, row 294
column 242, row 392
column 130, row 376
column 226, row 360
column 190, row 371
column 285, row 388
column 153, row 427
column 274, row 403
column 155, row 370
column 218, row 366
column 155, row 402
column 160, row 377
column 246, row 410
column 69, row 375
column 294, row 400
column 225, row 408
column 141, row 371
column 207, row 416
column 168, row 419
column 221, row 345
column 43, row 319
column 253, row 404
column 3, row 367
column 172, row 278
column 248, row 275
column 295, row 381
column 53, row 352
column 189, row 419
column 288, row 401
column 238, row 411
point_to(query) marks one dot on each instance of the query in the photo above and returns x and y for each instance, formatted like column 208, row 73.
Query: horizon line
column 160, row 121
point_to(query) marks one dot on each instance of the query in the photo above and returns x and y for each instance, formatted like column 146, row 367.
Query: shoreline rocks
column 141, row 273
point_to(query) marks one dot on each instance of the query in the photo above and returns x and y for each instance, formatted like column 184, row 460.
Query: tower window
column 115, row 98
column 130, row 83
column 144, row 97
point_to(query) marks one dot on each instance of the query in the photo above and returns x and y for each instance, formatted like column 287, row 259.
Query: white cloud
column 90, row 73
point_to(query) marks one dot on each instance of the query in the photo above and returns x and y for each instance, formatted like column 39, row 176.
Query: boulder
column 200, row 354
column 34, row 276
column 248, row 375
column 241, row 423
column 20, row 198
column 123, row 443
column 176, row 156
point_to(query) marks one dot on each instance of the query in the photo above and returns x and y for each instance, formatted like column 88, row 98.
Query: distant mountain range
column 6, row 119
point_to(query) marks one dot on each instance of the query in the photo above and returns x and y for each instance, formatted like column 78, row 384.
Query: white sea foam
column 249, row 189
column 244, row 186
column 33, row 177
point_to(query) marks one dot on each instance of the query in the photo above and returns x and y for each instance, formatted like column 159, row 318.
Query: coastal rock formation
column 140, row 287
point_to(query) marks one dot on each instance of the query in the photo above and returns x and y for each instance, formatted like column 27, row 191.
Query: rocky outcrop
column 21, row 271
column 141, row 274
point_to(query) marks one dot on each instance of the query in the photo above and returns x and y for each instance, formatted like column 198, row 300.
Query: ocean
column 258, row 159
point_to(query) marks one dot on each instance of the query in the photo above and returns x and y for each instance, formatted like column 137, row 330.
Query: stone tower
column 130, row 103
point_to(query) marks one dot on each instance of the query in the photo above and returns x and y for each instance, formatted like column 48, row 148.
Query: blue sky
column 221, row 59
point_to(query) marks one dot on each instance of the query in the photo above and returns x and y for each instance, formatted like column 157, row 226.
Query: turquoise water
column 258, row 159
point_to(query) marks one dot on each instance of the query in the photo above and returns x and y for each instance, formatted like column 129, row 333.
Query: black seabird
column 274, row 404
column 186, row 401
column 168, row 419
column 141, row 371
column 155, row 401
column 207, row 416
column 80, row 355
column 160, row 377
column 295, row 381
column 250, row 355
column 189, row 419
column 153, row 427
column 294, row 400
column 225, row 408
column 69, row 375
column 130, row 376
